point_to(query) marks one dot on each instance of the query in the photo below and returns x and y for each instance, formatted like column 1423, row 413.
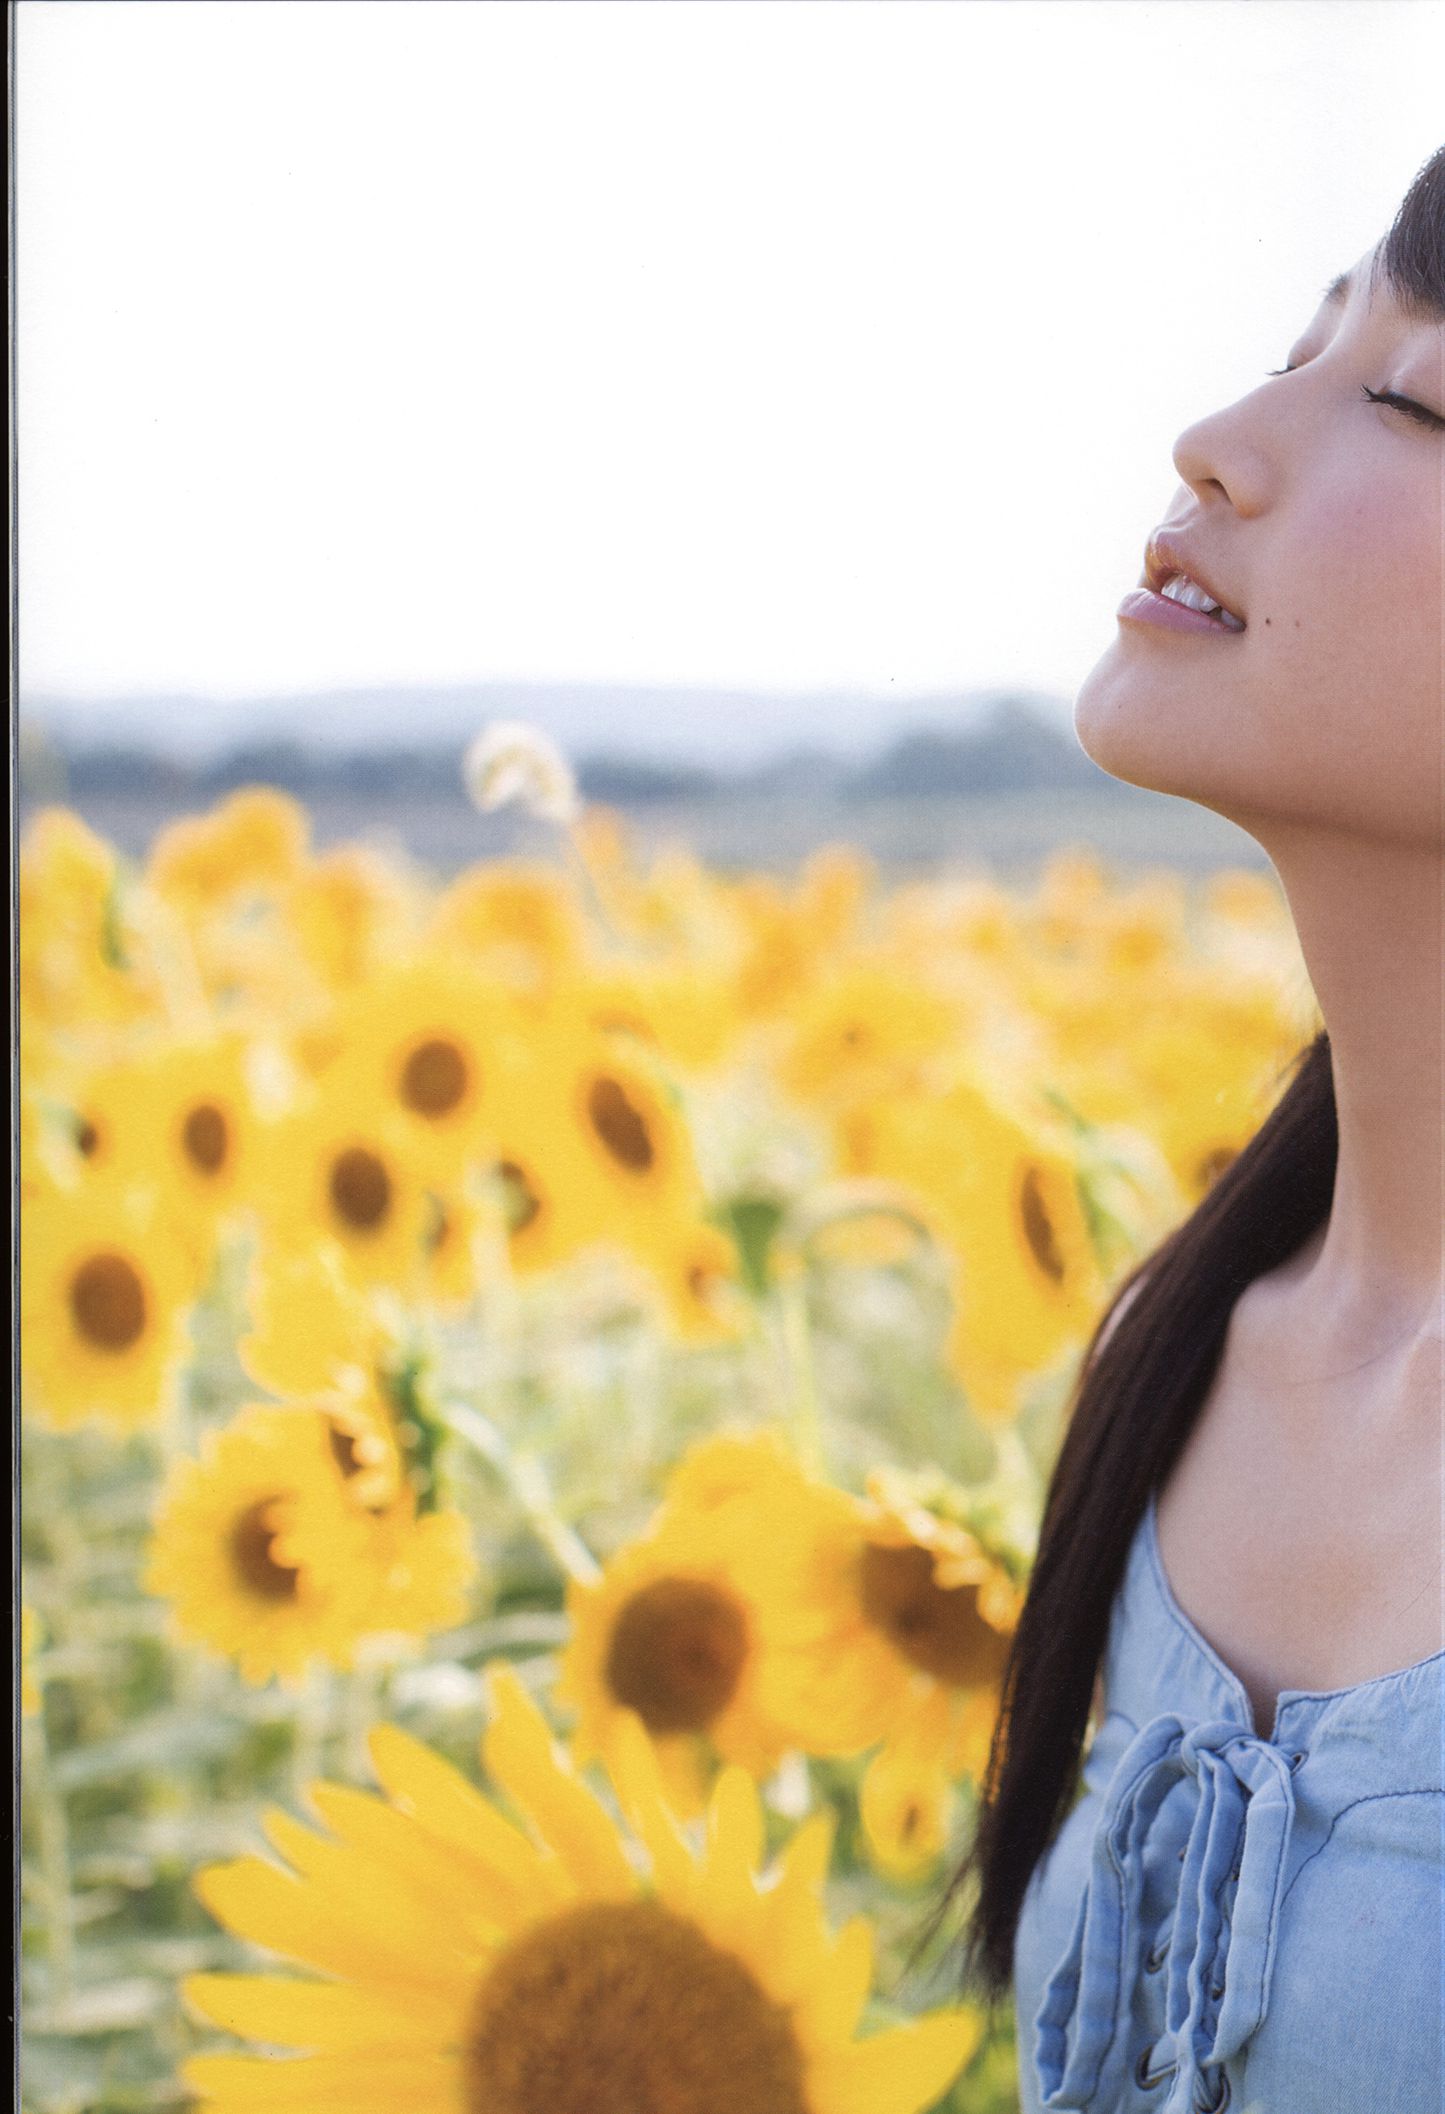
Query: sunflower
column 619, row 1107
column 870, row 1027
column 350, row 910
column 671, row 1632
column 886, row 1619
column 312, row 1329
column 683, row 1009
column 441, row 1047
column 72, row 966
column 252, row 842
column 473, row 1966
column 1002, row 1195
column 106, row 1288
column 341, row 1168
column 694, row 1269
column 259, row 1550
column 419, row 1554
column 182, row 1115
column 514, row 920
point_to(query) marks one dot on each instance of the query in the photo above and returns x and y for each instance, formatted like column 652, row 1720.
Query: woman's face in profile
column 1318, row 518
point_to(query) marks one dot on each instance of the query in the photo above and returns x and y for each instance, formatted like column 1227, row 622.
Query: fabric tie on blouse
column 1220, row 1952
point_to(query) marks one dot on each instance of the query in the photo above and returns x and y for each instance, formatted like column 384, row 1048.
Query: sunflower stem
column 527, row 1480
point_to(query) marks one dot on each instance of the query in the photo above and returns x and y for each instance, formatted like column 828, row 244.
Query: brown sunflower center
column 935, row 1627
column 627, row 2008
column 108, row 1302
column 252, row 1537
column 87, row 1138
column 1039, row 1227
column 434, row 1078
column 676, row 1653
column 520, row 1200
column 620, row 1124
column 206, row 1138
column 360, row 1189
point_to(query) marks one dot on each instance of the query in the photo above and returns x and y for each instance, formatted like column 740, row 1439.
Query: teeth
column 1180, row 588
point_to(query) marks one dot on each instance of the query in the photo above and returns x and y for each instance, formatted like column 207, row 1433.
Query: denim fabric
column 1226, row 1920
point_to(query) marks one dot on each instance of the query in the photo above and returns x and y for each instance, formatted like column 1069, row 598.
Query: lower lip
column 1142, row 606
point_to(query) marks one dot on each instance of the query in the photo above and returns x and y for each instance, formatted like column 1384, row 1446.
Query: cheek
column 1352, row 670
column 1348, row 624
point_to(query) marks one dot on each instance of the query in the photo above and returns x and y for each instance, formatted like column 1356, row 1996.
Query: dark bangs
column 1411, row 259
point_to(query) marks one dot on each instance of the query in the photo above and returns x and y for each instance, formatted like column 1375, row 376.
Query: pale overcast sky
column 753, row 342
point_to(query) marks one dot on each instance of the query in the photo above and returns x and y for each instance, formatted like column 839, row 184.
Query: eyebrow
column 1417, row 305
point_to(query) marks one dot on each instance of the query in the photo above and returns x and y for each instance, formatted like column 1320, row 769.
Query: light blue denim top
column 1227, row 1920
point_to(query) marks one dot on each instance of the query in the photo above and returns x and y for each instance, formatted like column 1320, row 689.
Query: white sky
column 759, row 342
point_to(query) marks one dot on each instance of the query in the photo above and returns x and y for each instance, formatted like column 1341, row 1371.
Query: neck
column 1371, row 925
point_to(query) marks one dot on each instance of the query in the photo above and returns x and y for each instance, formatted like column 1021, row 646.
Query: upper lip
column 1166, row 554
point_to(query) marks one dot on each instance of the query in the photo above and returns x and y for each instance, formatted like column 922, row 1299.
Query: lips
column 1167, row 556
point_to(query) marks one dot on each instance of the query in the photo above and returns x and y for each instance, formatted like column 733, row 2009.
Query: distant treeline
column 1012, row 749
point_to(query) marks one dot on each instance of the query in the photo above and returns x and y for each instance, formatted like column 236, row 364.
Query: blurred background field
column 659, row 1280
column 987, row 782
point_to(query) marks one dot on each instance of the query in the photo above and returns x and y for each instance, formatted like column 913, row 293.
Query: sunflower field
column 537, row 1391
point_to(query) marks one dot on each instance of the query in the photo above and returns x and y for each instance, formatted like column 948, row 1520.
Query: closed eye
column 1391, row 398
column 1407, row 404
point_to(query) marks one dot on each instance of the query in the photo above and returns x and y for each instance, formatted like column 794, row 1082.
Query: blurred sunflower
column 342, row 1168
column 884, row 1618
column 105, row 1290
column 258, row 1549
column 869, row 1027
column 671, row 1631
column 181, row 1114
column 472, row 1968
column 419, row 1553
column 441, row 1047
column 517, row 921
column 312, row 1330
column 618, row 1108
column 1003, row 1197
column 694, row 1267
column 253, row 841
column 351, row 909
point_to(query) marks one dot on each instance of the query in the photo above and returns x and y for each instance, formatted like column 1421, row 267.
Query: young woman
column 1239, row 1580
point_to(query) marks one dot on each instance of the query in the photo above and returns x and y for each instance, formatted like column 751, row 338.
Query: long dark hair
column 1143, row 1377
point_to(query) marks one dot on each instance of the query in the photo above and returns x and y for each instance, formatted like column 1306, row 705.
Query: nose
column 1224, row 458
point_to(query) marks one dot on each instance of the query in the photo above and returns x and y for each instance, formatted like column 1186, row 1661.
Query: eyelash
column 1419, row 412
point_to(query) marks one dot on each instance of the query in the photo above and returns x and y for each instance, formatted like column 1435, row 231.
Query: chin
column 1127, row 723
column 1117, row 722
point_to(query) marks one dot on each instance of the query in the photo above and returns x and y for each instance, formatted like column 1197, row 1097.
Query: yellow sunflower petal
column 521, row 1754
column 735, row 1842
column 323, row 2084
column 395, row 1842
column 266, row 1905
column 834, row 2004
column 323, row 2017
column 900, row 2071
column 637, row 1775
column 448, row 1807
